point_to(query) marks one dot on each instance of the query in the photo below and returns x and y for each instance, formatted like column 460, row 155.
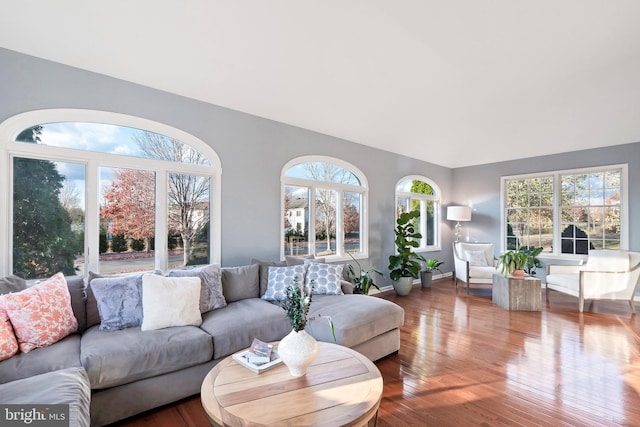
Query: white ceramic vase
column 298, row 350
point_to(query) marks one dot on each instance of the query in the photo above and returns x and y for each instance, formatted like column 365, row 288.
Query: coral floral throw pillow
column 41, row 315
column 8, row 343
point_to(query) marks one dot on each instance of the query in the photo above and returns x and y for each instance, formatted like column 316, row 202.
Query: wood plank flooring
column 467, row 362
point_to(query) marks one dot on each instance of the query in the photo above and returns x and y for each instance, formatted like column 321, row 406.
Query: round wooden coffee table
column 341, row 388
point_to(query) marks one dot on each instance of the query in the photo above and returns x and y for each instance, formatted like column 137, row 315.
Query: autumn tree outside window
column 115, row 194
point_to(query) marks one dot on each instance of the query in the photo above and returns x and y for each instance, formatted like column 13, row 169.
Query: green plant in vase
column 405, row 266
column 362, row 281
column 512, row 262
column 532, row 259
column 426, row 275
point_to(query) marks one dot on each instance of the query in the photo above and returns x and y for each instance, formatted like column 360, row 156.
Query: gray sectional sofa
column 106, row 376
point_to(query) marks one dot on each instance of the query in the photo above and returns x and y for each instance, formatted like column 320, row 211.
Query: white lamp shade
column 459, row 213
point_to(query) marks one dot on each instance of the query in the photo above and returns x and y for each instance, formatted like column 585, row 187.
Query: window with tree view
column 65, row 174
column 566, row 212
column 421, row 194
column 323, row 204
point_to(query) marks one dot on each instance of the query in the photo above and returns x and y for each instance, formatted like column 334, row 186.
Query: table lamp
column 458, row 213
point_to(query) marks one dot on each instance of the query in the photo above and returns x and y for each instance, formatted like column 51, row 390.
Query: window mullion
column 92, row 217
column 161, row 221
column 339, row 223
column 312, row 220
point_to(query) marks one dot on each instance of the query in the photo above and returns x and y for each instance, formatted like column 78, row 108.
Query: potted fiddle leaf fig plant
column 362, row 280
column 405, row 265
column 426, row 275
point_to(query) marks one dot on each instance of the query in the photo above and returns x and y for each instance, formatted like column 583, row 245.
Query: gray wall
column 252, row 150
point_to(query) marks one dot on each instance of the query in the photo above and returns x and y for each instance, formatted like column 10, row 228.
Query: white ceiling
column 453, row 82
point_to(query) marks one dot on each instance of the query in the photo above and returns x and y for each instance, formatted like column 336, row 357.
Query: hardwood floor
column 465, row 361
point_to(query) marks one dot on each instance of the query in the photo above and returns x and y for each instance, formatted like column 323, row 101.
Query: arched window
column 324, row 207
column 104, row 192
column 419, row 193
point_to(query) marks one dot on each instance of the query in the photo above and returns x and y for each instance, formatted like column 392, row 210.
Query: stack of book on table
column 259, row 357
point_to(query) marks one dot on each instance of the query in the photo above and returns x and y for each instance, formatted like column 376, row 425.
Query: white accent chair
column 607, row 275
column 474, row 263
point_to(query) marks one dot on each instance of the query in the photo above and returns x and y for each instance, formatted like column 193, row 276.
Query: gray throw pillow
column 280, row 278
column 240, row 282
column 119, row 301
column 12, row 284
column 326, row 278
column 264, row 271
column 211, row 295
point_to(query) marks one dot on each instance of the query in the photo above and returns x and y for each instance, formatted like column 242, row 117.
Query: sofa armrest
column 563, row 269
column 347, row 287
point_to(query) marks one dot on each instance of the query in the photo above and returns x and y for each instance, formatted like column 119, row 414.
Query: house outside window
column 108, row 185
column 420, row 193
column 567, row 212
column 324, row 209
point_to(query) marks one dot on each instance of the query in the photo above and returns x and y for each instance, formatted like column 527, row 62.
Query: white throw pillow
column 280, row 278
column 476, row 258
column 326, row 277
column 170, row 301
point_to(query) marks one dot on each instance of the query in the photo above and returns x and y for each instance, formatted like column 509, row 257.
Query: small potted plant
column 405, row 266
column 362, row 281
column 426, row 275
column 513, row 262
column 532, row 259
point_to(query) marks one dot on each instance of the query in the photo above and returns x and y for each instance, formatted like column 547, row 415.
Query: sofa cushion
column 119, row 301
column 63, row 354
column 66, row 386
column 607, row 260
column 264, row 272
column 78, row 301
column 240, row 282
column 476, row 272
column 327, row 278
column 567, row 283
column 119, row 357
column 170, row 301
column 234, row 327
column 12, row 284
column 356, row 318
column 211, row 295
column 280, row 278
column 42, row 314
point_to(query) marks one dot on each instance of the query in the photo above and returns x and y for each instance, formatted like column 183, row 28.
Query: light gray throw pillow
column 280, row 278
column 119, row 301
column 211, row 295
column 326, row 278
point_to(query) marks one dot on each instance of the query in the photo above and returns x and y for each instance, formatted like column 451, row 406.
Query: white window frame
column 362, row 189
column 9, row 130
column 557, row 197
column 437, row 246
